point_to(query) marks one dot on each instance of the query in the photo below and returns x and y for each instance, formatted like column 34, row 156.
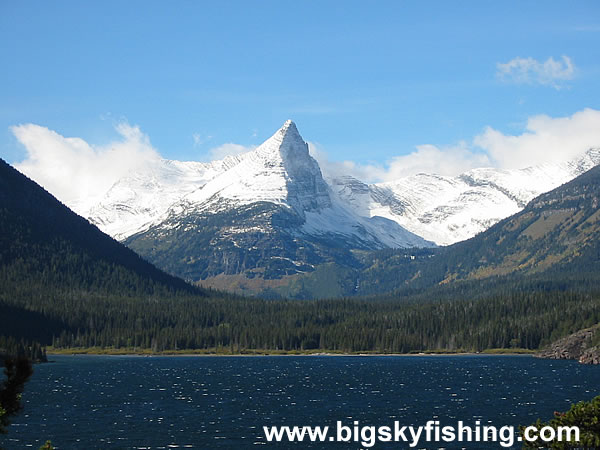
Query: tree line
column 449, row 320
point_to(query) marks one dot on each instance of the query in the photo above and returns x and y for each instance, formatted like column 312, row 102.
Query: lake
column 86, row 402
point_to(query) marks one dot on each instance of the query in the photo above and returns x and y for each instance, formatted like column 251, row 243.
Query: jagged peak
column 289, row 133
column 287, row 142
column 288, row 130
column 288, row 125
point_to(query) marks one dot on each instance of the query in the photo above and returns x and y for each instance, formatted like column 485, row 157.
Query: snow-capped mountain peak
column 281, row 172
column 286, row 149
column 287, row 142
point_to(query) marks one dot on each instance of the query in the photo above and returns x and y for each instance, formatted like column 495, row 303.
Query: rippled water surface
column 86, row 402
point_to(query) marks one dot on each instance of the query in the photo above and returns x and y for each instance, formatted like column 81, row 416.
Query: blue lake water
column 87, row 402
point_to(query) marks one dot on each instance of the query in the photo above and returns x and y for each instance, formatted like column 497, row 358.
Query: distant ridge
column 447, row 210
column 558, row 230
column 555, row 238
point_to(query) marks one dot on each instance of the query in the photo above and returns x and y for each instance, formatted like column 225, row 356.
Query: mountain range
column 267, row 213
column 555, row 237
column 265, row 218
column 447, row 210
column 528, row 280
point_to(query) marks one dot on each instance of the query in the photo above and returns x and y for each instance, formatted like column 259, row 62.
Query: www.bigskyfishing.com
column 369, row 435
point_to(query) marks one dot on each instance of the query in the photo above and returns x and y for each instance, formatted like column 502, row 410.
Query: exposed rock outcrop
column 579, row 346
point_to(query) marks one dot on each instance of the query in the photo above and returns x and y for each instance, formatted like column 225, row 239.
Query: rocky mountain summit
column 439, row 209
column 270, row 212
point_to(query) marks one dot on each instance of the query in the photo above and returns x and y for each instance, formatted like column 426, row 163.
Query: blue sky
column 365, row 81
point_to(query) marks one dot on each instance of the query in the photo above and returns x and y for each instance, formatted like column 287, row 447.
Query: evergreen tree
column 17, row 371
column 584, row 415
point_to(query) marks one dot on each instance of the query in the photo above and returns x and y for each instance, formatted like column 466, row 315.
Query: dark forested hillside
column 43, row 242
column 270, row 251
column 557, row 232
column 48, row 254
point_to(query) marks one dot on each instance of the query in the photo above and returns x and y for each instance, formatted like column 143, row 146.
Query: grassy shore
column 509, row 351
column 265, row 352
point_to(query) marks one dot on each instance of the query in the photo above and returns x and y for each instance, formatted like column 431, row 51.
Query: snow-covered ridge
column 403, row 213
column 446, row 210
column 280, row 171
column 142, row 198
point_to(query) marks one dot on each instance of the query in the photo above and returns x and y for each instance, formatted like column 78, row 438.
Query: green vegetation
column 557, row 236
column 41, row 240
column 17, row 372
column 508, row 351
column 557, row 233
column 200, row 246
column 528, row 281
column 230, row 324
column 22, row 348
column 585, row 415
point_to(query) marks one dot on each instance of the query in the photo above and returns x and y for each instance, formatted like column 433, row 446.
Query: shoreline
column 249, row 353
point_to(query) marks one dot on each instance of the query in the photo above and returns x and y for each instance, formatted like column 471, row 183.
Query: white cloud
column 197, row 139
column 200, row 139
column 227, row 149
column 332, row 169
column 531, row 71
column 442, row 161
column 427, row 158
column 73, row 170
column 544, row 140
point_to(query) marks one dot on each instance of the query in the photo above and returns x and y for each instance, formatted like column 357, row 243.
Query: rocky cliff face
column 268, row 214
column 579, row 346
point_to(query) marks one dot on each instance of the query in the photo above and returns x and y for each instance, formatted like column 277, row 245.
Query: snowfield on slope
column 419, row 210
